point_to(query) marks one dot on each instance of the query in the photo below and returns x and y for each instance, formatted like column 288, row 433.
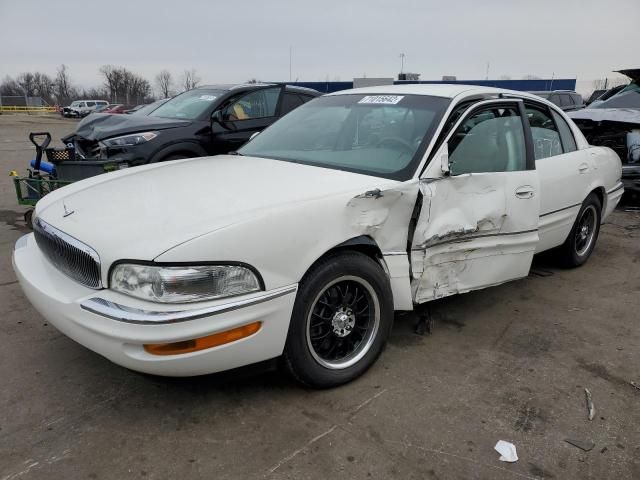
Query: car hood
column 141, row 212
column 624, row 115
column 98, row 126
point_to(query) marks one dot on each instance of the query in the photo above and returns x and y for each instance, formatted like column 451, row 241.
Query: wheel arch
column 187, row 148
column 396, row 272
column 601, row 193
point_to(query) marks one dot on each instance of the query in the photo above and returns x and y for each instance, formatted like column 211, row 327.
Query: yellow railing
column 22, row 109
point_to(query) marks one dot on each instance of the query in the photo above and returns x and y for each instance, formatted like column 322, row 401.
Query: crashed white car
column 353, row 206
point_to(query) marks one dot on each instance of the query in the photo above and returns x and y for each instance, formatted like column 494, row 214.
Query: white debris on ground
column 507, row 451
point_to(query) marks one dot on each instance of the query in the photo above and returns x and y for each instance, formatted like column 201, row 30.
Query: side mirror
column 444, row 159
column 217, row 117
column 253, row 135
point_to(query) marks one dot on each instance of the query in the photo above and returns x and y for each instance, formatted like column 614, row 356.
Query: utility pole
column 402, row 55
column 290, row 62
column 487, row 74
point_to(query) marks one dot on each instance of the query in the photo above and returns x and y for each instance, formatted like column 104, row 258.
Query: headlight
column 129, row 140
column 179, row 284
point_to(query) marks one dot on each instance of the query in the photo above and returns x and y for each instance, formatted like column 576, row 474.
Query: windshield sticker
column 208, row 98
column 382, row 99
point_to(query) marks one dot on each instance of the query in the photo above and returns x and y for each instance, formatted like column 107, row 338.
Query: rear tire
column 581, row 241
column 341, row 320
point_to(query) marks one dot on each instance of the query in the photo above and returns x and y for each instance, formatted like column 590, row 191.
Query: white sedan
column 302, row 245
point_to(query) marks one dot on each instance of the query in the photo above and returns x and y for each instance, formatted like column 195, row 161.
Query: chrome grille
column 70, row 256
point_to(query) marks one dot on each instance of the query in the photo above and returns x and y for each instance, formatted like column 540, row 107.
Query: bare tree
column 10, row 87
column 504, row 77
column 125, row 86
column 190, row 79
column 606, row 83
column 27, row 83
column 164, row 81
column 530, row 76
column 63, row 85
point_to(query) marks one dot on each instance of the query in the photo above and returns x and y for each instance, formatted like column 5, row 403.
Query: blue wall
column 522, row 85
column 541, row 85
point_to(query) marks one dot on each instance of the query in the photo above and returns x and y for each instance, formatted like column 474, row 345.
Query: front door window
column 257, row 104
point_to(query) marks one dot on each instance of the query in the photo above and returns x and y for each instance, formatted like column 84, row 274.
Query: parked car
column 304, row 243
column 118, row 108
column 82, row 108
column 615, row 122
column 599, row 96
column 567, row 100
column 204, row 121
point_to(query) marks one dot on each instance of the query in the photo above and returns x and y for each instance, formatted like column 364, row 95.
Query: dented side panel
column 474, row 231
column 384, row 216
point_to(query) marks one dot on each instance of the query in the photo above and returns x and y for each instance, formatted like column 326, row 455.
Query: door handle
column 583, row 168
column 525, row 191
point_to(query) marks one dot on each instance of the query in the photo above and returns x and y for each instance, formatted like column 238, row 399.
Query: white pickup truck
column 82, row 108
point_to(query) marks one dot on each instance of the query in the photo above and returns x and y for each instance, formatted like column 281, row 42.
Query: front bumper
column 117, row 326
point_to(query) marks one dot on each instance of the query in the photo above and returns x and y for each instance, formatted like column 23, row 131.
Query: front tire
column 341, row 320
column 581, row 241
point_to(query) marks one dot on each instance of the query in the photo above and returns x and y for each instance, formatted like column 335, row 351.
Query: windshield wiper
column 235, row 152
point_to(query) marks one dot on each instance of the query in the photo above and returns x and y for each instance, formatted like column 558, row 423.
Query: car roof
column 250, row 86
column 538, row 92
column 305, row 90
column 232, row 86
column 437, row 90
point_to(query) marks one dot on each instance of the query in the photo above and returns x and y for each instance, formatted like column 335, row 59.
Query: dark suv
column 567, row 100
column 204, row 121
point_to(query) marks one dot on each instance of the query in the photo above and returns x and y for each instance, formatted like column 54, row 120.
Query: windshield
column 188, row 105
column 628, row 97
column 148, row 108
column 380, row 135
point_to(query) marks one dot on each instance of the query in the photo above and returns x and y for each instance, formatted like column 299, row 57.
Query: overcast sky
column 233, row 41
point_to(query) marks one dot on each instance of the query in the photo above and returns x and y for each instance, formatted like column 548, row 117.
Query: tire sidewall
column 578, row 260
column 298, row 356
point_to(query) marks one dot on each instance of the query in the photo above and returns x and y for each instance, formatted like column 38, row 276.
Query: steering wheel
column 396, row 141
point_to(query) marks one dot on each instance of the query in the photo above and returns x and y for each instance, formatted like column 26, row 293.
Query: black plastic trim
column 560, row 209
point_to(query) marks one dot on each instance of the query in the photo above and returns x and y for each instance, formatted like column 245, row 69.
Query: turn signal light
column 202, row 343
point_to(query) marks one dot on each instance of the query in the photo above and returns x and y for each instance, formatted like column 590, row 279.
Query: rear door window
column 566, row 100
column 566, row 135
column 546, row 138
column 555, row 99
column 289, row 102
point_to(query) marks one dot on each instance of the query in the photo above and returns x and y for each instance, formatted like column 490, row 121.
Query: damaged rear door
column 478, row 221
